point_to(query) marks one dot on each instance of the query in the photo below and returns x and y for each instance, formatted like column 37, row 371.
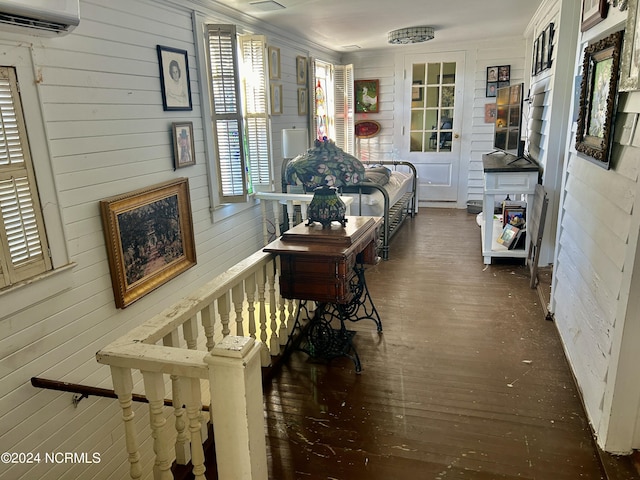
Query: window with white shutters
column 227, row 112
column 240, row 113
column 24, row 251
column 256, row 115
column 344, row 107
column 334, row 104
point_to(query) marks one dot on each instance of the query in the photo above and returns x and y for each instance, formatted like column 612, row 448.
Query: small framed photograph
column 509, row 236
column 303, row 101
column 276, row 99
column 301, row 70
column 149, row 238
column 548, row 53
column 534, row 56
column 630, row 68
column 492, row 89
column 183, row 145
column 542, row 48
column 174, row 78
column 504, row 73
column 593, row 12
column 598, row 99
column 492, row 74
column 366, row 92
column 489, row 113
column 274, row 63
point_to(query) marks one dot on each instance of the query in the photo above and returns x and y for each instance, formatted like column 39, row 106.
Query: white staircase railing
column 201, row 340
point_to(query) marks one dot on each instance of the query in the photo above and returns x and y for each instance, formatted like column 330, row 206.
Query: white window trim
column 23, row 294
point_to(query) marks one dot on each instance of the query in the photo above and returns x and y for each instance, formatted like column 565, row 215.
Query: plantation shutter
column 344, row 105
column 24, row 252
column 256, row 115
column 227, row 112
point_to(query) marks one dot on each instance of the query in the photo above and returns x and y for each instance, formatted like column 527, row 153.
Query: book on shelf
column 512, row 237
column 514, row 213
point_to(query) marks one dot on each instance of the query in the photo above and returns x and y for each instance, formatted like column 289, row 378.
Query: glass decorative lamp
column 326, row 207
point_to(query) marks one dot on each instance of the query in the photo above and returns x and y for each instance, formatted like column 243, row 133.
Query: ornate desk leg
column 321, row 341
column 362, row 306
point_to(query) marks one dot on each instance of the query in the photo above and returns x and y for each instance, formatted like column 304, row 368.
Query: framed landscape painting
column 598, row 99
column 149, row 238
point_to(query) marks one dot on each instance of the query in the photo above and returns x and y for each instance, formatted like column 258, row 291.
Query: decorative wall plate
column 367, row 128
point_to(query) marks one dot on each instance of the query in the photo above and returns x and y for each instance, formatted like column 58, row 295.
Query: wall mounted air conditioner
column 39, row 17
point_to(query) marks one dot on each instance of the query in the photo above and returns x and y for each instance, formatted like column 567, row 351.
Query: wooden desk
column 318, row 264
column 326, row 266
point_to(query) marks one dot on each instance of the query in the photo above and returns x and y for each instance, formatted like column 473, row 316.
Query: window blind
column 256, row 115
column 23, row 246
column 227, row 112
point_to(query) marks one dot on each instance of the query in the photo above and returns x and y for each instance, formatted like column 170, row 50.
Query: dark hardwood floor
column 468, row 380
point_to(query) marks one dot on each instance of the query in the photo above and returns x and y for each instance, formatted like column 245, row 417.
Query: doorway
column 432, row 118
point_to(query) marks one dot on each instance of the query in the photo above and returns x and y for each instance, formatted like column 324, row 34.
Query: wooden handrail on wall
column 86, row 390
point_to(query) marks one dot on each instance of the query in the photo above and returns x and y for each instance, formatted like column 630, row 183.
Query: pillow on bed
column 324, row 164
column 379, row 175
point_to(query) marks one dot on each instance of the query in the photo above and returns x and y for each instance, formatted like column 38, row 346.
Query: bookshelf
column 504, row 175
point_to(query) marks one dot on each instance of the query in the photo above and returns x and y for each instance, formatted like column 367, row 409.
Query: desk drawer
column 318, row 266
column 320, row 288
column 520, row 182
column 315, row 278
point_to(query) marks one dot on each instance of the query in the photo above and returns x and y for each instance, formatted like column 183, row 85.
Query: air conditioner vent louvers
column 32, row 23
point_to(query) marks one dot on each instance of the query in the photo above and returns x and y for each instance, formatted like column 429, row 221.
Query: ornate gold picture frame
column 149, row 238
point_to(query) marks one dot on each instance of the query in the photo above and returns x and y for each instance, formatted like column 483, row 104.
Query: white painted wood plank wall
column 596, row 270
column 107, row 134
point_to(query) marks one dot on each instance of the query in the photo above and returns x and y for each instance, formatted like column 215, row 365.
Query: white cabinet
column 501, row 178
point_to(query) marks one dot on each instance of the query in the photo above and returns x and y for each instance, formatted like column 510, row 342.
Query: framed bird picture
column 366, row 96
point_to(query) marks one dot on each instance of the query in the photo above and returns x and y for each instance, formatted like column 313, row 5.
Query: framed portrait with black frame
column 598, row 99
column 174, row 78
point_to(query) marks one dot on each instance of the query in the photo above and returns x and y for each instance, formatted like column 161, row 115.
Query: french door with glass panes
column 432, row 87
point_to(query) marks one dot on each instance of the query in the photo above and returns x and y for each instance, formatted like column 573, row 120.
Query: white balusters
column 224, row 310
column 250, row 289
column 123, row 387
column 154, row 390
column 183, row 450
column 190, row 331
column 176, row 345
column 261, row 279
column 194, row 405
column 237, row 295
column 208, row 319
column 274, row 344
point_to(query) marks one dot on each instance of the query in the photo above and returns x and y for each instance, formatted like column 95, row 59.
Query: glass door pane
column 432, row 104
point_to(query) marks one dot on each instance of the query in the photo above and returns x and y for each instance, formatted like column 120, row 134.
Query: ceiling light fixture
column 403, row 36
column 267, row 5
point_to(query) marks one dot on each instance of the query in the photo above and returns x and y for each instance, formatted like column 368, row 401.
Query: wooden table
column 325, row 265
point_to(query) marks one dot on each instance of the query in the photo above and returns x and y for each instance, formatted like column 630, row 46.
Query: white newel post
column 235, row 380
